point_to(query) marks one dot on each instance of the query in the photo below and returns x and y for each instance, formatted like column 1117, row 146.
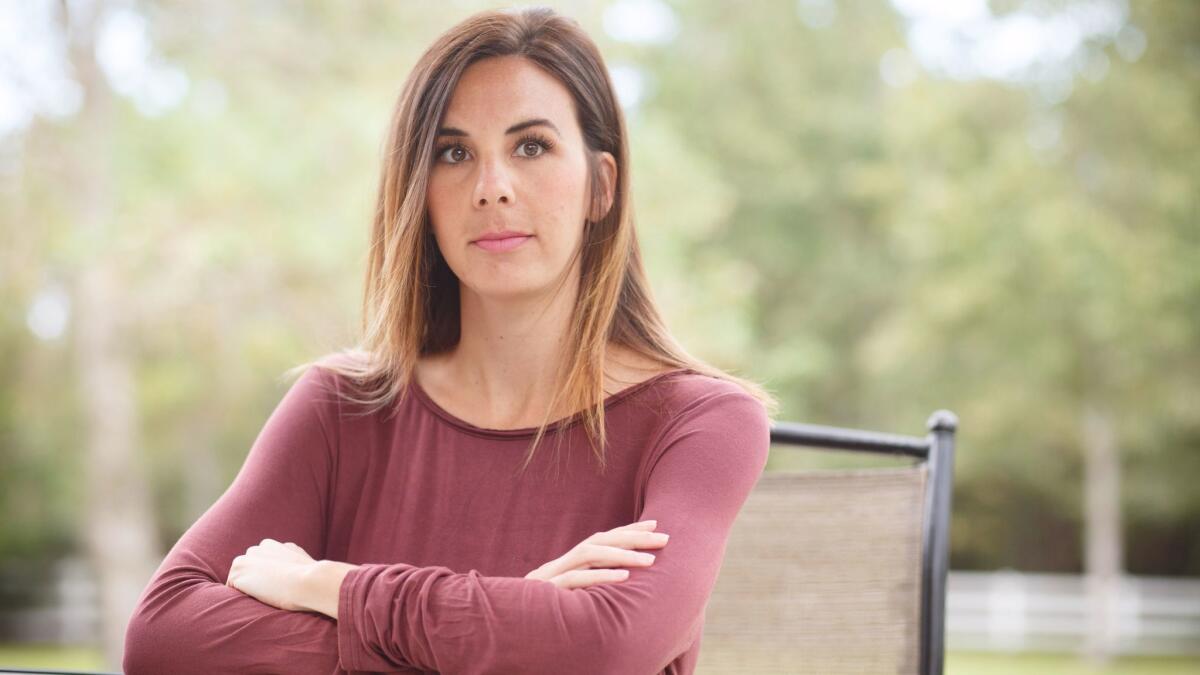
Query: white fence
column 1018, row 611
column 68, row 611
column 987, row 611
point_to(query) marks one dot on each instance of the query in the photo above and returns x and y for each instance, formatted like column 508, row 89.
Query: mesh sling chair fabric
column 837, row 571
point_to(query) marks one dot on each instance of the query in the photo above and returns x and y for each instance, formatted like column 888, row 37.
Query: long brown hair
column 410, row 301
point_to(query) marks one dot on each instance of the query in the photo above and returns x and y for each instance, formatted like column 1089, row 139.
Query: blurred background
column 877, row 208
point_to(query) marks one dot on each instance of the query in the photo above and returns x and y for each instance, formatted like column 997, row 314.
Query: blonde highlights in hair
column 410, row 300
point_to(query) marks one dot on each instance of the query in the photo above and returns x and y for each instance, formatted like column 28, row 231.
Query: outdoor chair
column 838, row 570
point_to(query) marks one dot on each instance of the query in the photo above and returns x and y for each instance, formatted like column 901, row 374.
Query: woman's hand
column 273, row 573
column 601, row 550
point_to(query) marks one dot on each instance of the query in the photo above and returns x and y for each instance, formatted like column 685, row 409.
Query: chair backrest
column 838, row 571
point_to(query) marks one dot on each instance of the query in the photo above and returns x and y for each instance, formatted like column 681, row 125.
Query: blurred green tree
column 819, row 210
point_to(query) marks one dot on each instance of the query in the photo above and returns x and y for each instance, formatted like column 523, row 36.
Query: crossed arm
column 408, row 619
column 283, row 575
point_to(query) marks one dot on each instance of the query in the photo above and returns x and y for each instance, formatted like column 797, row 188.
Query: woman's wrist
column 321, row 585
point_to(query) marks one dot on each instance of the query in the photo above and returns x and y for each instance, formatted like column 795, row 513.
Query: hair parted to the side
column 410, row 300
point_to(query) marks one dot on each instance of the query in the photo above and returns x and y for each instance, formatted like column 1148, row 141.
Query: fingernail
column 661, row 536
column 648, row 557
column 649, row 522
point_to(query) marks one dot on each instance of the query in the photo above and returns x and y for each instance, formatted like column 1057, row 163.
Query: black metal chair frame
column 936, row 450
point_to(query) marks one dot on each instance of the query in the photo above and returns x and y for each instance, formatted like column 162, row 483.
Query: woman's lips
column 505, row 244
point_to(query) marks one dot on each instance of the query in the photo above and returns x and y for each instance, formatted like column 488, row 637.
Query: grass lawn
column 980, row 663
column 50, row 656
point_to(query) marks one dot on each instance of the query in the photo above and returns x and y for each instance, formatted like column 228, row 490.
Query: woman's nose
column 492, row 187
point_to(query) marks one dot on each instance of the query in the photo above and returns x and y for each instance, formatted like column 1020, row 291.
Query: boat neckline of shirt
column 529, row 432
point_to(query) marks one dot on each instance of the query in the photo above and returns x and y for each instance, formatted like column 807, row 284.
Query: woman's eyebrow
column 519, row 126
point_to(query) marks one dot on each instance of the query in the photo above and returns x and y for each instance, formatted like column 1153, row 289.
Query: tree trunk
column 119, row 529
column 1102, row 533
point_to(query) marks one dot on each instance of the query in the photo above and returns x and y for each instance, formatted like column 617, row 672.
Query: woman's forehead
column 495, row 93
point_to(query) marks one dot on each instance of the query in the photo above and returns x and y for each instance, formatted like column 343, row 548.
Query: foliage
column 870, row 252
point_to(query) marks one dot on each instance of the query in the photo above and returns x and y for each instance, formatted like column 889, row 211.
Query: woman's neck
column 509, row 352
column 503, row 372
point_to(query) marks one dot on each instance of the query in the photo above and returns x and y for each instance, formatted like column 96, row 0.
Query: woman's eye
column 454, row 154
column 531, row 149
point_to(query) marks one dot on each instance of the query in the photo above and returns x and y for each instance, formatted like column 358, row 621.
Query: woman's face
column 510, row 158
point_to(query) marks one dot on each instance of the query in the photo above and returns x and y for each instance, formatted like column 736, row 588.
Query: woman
column 386, row 518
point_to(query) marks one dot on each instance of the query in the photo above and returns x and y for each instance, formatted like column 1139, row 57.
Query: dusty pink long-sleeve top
column 445, row 530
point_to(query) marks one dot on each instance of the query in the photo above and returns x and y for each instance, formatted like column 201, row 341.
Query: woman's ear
column 606, row 173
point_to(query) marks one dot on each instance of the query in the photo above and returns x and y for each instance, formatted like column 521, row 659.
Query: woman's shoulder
column 689, row 395
column 688, row 388
column 628, row 369
column 709, row 418
column 325, row 379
